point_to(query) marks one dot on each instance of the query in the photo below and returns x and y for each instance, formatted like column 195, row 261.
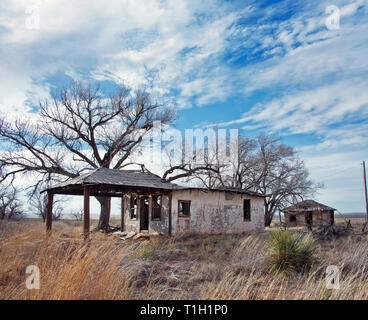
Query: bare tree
column 77, row 215
column 268, row 167
column 188, row 169
column 10, row 205
column 211, row 172
column 228, row 170
column 275, row 171
column 38, row 206
column 177, row 165
column 80, row 129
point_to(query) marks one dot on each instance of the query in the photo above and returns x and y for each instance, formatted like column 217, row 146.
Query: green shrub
column 289, row 252
column 146, row 251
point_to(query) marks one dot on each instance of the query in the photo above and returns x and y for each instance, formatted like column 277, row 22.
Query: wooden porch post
column 50, row 200
column 86, row 213
column 170, row 213
column 122, row 226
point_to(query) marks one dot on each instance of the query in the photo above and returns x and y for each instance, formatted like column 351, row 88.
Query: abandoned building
column 309, row 213
column 149, row 203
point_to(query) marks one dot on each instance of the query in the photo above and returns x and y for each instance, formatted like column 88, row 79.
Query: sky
column 297, row 69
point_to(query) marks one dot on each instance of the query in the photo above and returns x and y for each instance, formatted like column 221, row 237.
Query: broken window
column 133, row 207
column 292, row 218
column 156, row 207
column 246, row 208
column 184, row 208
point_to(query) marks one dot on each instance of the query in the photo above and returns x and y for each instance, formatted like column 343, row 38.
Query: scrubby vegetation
column 291, row 252
column 182, row 267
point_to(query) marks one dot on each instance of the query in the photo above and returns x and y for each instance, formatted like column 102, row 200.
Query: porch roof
column 110, row 182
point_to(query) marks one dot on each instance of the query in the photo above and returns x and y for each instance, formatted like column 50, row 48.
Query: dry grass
column 181, row 267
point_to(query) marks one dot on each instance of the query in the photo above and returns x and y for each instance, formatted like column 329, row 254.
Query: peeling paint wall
column 319, row 219
column 299, row 220
column 130, row 224
column 215, row 211
column 162, row 225
column 154, row 225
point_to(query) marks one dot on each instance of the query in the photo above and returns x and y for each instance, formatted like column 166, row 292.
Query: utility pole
column 365, row 188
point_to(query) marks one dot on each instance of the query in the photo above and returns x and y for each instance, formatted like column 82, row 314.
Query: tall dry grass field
column 181, row 267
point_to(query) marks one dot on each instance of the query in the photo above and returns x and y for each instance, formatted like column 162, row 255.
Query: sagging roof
column 128, row 178
column 308, row 205
column 132, row 179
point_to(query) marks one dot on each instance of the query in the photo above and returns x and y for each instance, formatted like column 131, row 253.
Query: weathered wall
column 299, row 222
column 162, row 225
column 319, row 218
column 211, row 212
column 154, row 226
column 130, row 224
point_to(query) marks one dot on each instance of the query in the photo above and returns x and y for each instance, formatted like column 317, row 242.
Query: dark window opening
column 292, row 218
column 133, row 207
column 332, row 218
column 246, row 210
column 184, row 208
column 309, row 220
column 156, row 207
column 144, row 213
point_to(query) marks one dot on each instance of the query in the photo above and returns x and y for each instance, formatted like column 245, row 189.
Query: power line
column 365, row 188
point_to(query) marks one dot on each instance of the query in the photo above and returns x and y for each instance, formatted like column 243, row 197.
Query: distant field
column 181, row 267
column 351, row 215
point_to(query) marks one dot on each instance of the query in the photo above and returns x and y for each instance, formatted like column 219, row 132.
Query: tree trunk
column 103, row 223
column 268, row 218
column 268, row 215
column 280, row 218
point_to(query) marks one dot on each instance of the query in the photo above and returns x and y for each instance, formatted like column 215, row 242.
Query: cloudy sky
column 298, row 69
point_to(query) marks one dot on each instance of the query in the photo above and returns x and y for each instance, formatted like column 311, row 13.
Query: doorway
column 309, row 220
column 332, row 218
column 143, row 214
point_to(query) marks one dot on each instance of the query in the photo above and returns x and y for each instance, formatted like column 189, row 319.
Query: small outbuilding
column 309, row 213
column 151, row 204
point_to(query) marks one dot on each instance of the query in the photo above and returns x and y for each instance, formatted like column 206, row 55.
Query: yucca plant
column 290, row 252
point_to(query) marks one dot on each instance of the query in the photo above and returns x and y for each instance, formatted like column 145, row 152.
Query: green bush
column 146, row 251
column 289, row 252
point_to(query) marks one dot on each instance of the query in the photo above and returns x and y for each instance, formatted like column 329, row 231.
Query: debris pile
column 324, row 232
column 126, row 235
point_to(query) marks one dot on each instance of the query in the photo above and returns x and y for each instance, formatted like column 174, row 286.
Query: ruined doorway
column 309, row 220
column 143, row 214
column 332, row 218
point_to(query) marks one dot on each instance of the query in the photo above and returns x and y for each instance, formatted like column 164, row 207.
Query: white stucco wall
column 211, row 212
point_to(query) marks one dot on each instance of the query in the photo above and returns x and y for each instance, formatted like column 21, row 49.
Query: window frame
column 247, row 216
column 181, row 215
column 133, row 216
column 159, row 206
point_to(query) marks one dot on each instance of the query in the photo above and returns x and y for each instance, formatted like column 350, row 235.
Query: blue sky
column 260, row 66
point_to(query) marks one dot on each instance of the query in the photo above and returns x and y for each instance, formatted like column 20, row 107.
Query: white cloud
column 342, row 174
column 118, row 41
